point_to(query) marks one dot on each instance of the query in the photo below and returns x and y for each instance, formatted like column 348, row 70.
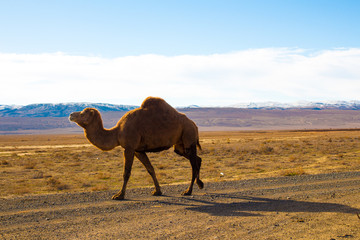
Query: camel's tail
column 198, row 144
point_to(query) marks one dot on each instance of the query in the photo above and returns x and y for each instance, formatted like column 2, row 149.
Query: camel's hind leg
column 195, row 162
column 146, row 162
column 129, row 159
column 198, row 181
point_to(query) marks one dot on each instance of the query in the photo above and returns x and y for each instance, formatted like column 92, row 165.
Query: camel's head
column 85, row 117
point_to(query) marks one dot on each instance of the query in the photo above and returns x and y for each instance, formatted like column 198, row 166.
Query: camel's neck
column 105, row 139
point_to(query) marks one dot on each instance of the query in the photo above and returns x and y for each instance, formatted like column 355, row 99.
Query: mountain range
column 53, row 118
column 64, row 109
column 344, row 105
column 58, row 110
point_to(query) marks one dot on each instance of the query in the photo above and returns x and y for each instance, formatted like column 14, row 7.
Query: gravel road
column 321, row 206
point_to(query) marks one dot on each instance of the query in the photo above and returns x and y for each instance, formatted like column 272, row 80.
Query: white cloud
column 279, row 74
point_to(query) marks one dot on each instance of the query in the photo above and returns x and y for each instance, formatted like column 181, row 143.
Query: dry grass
column 53, row 163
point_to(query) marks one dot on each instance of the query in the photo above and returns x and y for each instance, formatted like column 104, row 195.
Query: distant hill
column 53, row 118
column 341, row 105
column 57, row 110
column 64, row 109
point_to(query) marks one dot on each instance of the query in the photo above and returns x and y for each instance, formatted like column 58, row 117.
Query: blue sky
column 188, row 52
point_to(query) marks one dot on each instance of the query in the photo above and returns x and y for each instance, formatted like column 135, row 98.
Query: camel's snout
column 73, row 116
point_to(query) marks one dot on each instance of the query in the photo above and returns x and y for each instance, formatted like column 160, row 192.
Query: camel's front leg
column 146, row 162
column 129, row 159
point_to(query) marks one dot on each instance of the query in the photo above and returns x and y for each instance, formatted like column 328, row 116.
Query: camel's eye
column 88, row 111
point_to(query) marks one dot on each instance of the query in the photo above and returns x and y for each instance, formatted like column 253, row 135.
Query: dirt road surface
column 299, row 207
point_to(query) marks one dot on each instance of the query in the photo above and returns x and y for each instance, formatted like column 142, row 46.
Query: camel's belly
column 159, row 141
column 158, row 149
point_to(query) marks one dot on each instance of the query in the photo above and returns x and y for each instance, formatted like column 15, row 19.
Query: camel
column 154, row 127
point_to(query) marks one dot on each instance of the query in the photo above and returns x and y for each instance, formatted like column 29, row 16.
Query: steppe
column 258, row 185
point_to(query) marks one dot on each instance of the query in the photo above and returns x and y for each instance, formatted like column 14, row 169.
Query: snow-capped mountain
column 53, row 118
column 344, row 105
column 64, row 109
column 57, row 110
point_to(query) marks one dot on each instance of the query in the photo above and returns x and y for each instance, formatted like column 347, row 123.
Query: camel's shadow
column 255, row 206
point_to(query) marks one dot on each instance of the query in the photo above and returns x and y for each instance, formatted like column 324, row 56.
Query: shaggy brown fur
column 153, row 127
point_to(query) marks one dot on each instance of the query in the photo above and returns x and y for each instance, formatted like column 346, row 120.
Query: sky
column 203, row 52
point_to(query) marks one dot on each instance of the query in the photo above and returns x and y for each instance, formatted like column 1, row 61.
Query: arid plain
column 33, row 164
column 39, row 165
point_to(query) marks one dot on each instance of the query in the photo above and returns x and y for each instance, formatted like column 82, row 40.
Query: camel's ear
column 92, row 113
column 89, row 111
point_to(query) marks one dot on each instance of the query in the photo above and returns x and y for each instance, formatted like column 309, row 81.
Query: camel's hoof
column 186, row 193
column 200, row 183
column 117, row 197
column 156, row 193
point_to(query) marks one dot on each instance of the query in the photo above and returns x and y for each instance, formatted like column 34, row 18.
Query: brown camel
column 154, row 127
